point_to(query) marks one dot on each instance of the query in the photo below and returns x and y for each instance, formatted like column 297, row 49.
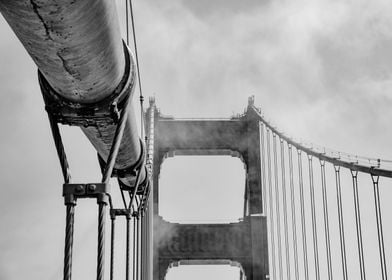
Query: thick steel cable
column 358, row 225
column 141, row 247
column 127, row 21
column 138, row 68
column 128, row 249
column 60, row 149
column 284, row 196
column 341, row 222
column 133, row 196
column 303, row 220
column 326, row 219
column 375, row 169
column 112, row 238
column 116, row 141
column 271, row 208
column 380, row 234
column 69, row 230
column 134, row 249
column 101, row 241
column 137, row 248
column 314, row 224
column 123, row 198
column 277, row 206
column 293, row 214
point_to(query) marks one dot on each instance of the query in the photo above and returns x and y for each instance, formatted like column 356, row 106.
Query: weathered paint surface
column 78, row 48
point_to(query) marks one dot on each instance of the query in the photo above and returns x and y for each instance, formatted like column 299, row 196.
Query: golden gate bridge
column 88, row 76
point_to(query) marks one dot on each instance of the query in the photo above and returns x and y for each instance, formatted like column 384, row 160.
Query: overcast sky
column 321, row 70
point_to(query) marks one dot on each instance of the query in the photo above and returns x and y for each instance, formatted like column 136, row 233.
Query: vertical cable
column 69, row 232
column 138, row 70
column 279, row 235
column 142, row 246
column 112, row 235
column 101, row 241
column 341, row 223
column 293, row 214
column 380, row 234
column 284, row 195
column 128, row 247
column 314, row 225
column 134, row 248
column 127, row 21
column 354, row 175
column 271, row 208
column 262, row 155
column 137, row 247
column 326, row 219
column 303, row 222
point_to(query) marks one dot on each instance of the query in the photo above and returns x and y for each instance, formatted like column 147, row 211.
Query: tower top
column 251, row 100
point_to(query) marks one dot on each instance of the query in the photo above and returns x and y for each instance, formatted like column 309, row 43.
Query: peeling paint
column 67, row 67
column 35, row 9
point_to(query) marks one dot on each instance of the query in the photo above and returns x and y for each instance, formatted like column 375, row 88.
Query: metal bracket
column 120, row 212
column 100, row 191
column 98, row 114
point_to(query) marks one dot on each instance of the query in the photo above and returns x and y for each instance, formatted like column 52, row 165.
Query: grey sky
column 320, row 70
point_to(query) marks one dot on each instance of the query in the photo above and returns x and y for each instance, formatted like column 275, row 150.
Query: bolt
column 92, row 187
column 79, row 188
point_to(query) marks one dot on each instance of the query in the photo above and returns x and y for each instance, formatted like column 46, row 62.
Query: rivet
column 92, row 187
column 79, row 189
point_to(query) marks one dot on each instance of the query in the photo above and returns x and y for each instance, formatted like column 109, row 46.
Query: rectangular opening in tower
column 202, row 189
column 205, row 272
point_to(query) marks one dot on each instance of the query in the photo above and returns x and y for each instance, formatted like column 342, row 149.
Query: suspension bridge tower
column 244, row 243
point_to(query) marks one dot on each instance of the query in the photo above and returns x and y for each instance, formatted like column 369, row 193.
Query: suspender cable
column 127, row 20
column 354, row 175
column 70, row 207
column 303, row 222
column 138, row 70
column 142, row 246
column 134, row 247
column 112, row 236
column 277, row 205
column 137, row 247
column 264, row 198
column 271, row 208
column 128, row 245
column 101, row 241
column 286, row 228
column 380, row 234
column 326, row 219
column 69, row 229
column 293, row 215
column 341, row 223
column 314, row 224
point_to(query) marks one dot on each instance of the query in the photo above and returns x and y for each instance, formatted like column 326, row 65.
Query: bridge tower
column 243, row 243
